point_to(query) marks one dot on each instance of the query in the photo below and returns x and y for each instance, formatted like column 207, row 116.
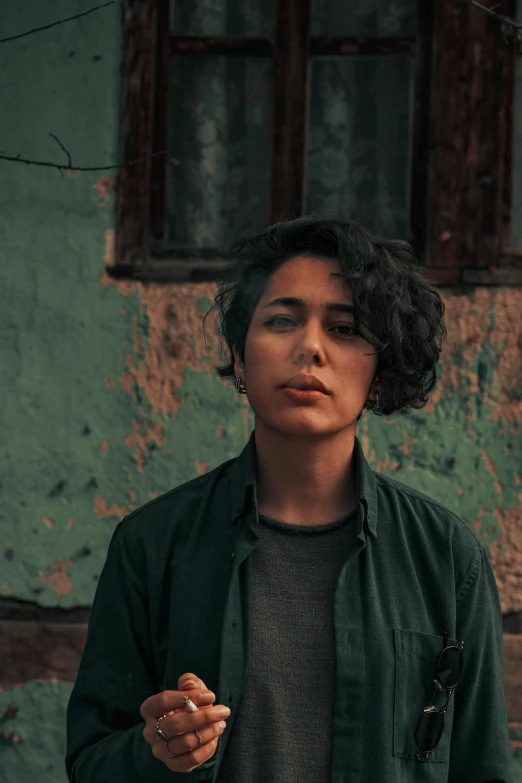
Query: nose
column 310, row 343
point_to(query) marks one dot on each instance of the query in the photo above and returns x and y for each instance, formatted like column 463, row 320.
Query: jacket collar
column 243, row 494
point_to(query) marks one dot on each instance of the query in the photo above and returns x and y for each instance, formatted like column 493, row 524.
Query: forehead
column 309, row 278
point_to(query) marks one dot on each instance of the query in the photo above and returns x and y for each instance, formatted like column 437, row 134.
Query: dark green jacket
column 175, row 594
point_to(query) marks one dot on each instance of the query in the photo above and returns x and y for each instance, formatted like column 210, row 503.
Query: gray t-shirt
column 283, row 728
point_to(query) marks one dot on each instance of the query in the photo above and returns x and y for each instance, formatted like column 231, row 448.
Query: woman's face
column 279, row 334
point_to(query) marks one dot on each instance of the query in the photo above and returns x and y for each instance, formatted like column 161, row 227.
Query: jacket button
column 233, row 555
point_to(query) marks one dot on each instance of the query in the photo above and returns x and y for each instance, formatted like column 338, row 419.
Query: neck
column 303, row 480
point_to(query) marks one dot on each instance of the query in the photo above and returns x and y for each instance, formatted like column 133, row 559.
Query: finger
column 188, row 742
column 193, row 699
column 168, row 701
column 185, row 682
column 183, row 722
column 187, row 762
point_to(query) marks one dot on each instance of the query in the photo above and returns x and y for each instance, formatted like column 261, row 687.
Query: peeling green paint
column 32, row 745
column 204, row 304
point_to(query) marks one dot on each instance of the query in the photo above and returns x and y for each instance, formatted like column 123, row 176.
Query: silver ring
column 159, row 733
column 200, row 742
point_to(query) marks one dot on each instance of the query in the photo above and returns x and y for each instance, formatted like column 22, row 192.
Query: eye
column 338, row 326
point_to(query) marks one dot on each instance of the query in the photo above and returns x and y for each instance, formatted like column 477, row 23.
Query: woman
column 316, row 597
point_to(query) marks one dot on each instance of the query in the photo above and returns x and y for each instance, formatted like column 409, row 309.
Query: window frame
column 467, row 243
column 449, row 256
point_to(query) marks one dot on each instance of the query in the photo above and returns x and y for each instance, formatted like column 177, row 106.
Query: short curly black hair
column 393, row 300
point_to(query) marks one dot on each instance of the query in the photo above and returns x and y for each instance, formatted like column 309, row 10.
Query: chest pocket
column 416, row 654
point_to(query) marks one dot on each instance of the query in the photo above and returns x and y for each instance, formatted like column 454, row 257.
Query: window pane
column 516, row 176
column 220, row 144
column 358, row 153
column 252, row 18
column 369, row 18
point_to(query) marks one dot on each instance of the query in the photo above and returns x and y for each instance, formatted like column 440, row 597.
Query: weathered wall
column 108, row 395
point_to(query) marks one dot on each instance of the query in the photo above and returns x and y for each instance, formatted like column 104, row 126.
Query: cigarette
column 191, row 707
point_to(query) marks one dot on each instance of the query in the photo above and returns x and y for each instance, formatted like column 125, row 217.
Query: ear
column 238, row 364
column 375, row 389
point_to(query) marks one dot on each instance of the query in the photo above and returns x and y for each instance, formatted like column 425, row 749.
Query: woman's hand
column 181, row 723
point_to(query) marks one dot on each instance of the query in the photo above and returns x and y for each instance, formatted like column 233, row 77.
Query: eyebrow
column 294, row 301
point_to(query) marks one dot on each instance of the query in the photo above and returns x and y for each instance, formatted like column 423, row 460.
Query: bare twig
column 507, row 19
column 63, row 148
column 72, row 167
column 53, row 24
column 61, row 167
column 511, row 28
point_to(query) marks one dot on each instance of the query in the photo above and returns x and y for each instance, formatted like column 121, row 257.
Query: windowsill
column 194, row 269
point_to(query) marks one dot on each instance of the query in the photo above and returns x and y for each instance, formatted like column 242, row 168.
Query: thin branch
column 506, row 19
column 72, row 167
column 511, row 28
column 61, row 167
column 53, row 24
column 63, row 148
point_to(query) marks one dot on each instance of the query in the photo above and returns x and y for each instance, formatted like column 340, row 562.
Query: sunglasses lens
column 449, row 667
column 429, row 730
column 431, row 724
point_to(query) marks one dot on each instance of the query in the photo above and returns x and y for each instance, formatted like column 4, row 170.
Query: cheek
column 261, row 350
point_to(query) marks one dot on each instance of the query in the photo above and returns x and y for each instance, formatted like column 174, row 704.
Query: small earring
column 240, row 385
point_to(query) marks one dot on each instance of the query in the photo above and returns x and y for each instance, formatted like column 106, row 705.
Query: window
column 276, row 108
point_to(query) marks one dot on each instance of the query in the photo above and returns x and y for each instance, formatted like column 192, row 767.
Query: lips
column 306, row 383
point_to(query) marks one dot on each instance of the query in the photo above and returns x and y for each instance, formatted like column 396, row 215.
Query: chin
column 303, row 423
